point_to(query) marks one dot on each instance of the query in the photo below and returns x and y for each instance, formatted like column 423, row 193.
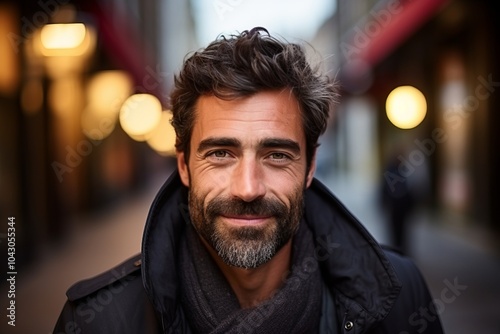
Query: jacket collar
column 360, row 276
column 353, row 265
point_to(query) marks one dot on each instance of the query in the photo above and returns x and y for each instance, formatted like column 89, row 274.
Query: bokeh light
column 65, row 96
column 406, row 107
column 139, row 115
column 107, row 90
column 62, row 36
column 68, row 39
column 162, row 138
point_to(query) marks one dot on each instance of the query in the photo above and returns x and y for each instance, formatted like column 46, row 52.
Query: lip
column 246, row 220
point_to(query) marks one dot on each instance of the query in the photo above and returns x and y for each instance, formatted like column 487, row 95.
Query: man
column 242, row 238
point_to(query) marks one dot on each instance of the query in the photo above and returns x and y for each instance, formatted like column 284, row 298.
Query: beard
column 246, row 246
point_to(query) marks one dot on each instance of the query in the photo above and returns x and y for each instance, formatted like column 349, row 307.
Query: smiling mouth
column 246, row 220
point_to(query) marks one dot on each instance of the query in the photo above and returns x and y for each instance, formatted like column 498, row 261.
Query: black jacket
column 371, row 290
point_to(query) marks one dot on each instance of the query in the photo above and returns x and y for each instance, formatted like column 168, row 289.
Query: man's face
column 246, row 175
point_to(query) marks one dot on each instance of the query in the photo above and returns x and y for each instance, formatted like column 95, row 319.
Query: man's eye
column 278, row 156
column 218, row 154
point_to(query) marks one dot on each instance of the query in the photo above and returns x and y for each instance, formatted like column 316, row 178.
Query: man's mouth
column 246, row 220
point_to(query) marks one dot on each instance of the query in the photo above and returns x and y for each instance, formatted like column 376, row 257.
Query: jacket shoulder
column 406, row 269
column 412, row 280
column 91, row 285
column 414, row 310
column 112, row 302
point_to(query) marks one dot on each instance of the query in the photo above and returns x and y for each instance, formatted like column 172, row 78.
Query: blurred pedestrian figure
column 398, row 201
column 405, row 189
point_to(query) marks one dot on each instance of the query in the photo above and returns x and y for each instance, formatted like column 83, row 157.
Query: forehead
column 264, row 114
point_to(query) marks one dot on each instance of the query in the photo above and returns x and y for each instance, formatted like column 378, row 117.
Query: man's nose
column 247, row 180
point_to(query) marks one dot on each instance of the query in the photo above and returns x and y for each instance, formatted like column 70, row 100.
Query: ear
column 311, row 171
column 183, row 168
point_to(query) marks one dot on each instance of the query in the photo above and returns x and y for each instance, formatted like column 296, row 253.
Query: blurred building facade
column 447, row 50
column 63, row 148
column 52, row 166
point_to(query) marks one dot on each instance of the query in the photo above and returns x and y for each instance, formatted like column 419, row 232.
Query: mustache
column 238, row 207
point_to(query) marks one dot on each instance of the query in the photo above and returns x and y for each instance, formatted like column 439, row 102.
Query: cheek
column 287, row 181
column 289, row 193
column 208, row 183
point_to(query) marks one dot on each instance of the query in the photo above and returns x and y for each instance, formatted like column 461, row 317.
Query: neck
column 252, row 286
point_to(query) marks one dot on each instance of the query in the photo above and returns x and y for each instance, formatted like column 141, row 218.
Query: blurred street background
column 85, row 140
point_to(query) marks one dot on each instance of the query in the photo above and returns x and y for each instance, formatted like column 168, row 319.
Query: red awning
column 385, row 28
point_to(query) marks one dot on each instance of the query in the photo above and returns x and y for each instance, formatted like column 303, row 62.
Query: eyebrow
column 288, row 144
column 263, row 143
column 208, row 143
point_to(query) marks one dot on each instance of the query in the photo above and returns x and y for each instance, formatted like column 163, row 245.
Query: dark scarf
column 211, row 306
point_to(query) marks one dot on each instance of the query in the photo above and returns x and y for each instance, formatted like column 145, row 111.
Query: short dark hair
column 243, row 65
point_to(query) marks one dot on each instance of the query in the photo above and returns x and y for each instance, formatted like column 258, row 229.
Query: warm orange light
column 63, row 36
column 162, row 138
column 406, row 107
column 65, row 97
column 9, row 52
column 139, row 115
column 107, row 90
column 68, row 39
